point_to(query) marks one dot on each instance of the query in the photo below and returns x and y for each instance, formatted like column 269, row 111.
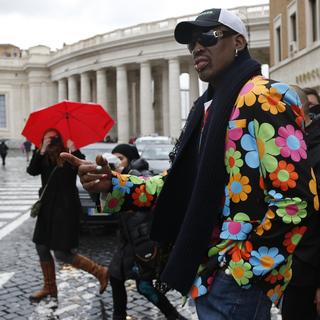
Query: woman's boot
column 100, row 272
column 49, row 277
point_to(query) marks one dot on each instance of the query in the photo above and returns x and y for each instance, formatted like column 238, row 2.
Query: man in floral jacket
column 240, row 193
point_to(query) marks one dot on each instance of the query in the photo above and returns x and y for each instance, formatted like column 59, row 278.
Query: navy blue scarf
column 190, row 202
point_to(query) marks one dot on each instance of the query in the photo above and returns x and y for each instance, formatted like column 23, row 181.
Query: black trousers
column 146, row 289
column 298, row 303
column 3, row 156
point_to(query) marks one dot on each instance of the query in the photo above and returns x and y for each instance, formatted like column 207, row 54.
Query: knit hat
column 128, row 150
column 207, row 19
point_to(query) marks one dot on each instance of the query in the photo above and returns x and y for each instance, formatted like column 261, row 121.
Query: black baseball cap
column 209, row 18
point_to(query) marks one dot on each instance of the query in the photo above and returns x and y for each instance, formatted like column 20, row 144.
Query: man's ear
column 240, row 42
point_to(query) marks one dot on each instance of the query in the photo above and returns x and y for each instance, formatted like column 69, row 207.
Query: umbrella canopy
column 83, row 123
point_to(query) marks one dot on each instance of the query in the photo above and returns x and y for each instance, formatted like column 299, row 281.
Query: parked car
column 90, row 202
column 157, row 156
column 146, row 141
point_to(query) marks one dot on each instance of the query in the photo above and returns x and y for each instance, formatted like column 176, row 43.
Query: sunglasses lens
column 207, row 40
column 204, row 39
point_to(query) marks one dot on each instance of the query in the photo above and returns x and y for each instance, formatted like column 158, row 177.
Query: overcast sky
column 26, row 23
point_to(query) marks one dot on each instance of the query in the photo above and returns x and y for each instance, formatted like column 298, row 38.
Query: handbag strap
column 45, row 187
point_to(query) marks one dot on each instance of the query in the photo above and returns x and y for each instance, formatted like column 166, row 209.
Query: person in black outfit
column 27, row 148
column 302, row 296
column 3, row 152
column 133, row 241
column 314, row 101
column 57, row 224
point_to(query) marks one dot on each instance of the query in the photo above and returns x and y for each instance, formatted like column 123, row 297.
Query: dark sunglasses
column 210, row 38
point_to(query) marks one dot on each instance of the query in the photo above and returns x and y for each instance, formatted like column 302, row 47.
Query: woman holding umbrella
column 57, row 224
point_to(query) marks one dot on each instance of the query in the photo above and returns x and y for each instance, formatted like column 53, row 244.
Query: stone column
column 174, row 98
column 146, row 99
column 62, row 90
column 102, row 88
column 122, row 105
column 165, row 100
column 85, row 87
column 72, row 89
column 35, row 95
column 194, row 85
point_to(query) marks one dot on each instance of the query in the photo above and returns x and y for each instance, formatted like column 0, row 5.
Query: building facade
column 135, row 73
column 295, row 42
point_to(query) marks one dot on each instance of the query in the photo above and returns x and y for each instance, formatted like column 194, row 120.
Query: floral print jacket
column 270, row 192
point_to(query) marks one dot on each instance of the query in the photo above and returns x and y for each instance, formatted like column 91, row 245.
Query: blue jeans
column 227, row 301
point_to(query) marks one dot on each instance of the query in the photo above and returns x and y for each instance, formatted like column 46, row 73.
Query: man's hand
column 95, row 177
column 317, row 300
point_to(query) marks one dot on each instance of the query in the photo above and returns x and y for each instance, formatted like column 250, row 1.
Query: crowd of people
column 233, row 223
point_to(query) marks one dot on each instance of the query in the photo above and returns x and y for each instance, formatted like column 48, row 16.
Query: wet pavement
column 20, row 275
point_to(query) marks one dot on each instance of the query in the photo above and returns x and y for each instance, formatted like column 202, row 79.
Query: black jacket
column 306, row 262
column 57, row 225
column 133, row 237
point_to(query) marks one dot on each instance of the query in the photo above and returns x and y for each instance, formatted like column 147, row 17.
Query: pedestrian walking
column 239, row 193
column 26, row 145
column 3, row 152
column 57, row 224
column 302, row 296
column 136, row 254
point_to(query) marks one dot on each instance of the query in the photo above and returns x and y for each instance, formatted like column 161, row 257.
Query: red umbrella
column 83, row 123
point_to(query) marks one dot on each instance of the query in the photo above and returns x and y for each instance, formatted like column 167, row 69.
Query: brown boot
column 49, row 277
column 100, row 272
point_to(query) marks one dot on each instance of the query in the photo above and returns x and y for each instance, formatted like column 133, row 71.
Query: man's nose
column 197, row 48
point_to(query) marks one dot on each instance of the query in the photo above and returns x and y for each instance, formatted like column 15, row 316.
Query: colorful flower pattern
column 239, row 188
column 293, row 238
column 284, row 177
column 241, row 271
column 141, row 197
column 272, row 101
column 292, row 211
column 113, row 202
column 291, row 143
column 267, row 148
column 249, row 144
column 122, row 184
column 264, row 260
column 313, row 189
column 233, row 161
column 250, row 91
column 269, row 193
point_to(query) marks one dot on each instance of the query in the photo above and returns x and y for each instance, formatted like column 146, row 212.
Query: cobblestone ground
column 78, row 296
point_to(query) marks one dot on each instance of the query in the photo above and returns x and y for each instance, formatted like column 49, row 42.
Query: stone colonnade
column 142, row 98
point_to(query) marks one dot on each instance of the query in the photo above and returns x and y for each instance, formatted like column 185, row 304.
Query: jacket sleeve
column 130, row 192
column 34, row 167
column 279, row 159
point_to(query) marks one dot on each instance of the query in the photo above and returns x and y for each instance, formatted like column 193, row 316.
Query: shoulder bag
column 36, row 207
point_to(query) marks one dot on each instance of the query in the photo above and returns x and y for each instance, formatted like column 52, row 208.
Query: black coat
column 133, row 237
column 306, row 262
column 57, row 225
column 3, row 149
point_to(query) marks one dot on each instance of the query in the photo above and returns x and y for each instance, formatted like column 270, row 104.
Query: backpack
column 137, row 227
